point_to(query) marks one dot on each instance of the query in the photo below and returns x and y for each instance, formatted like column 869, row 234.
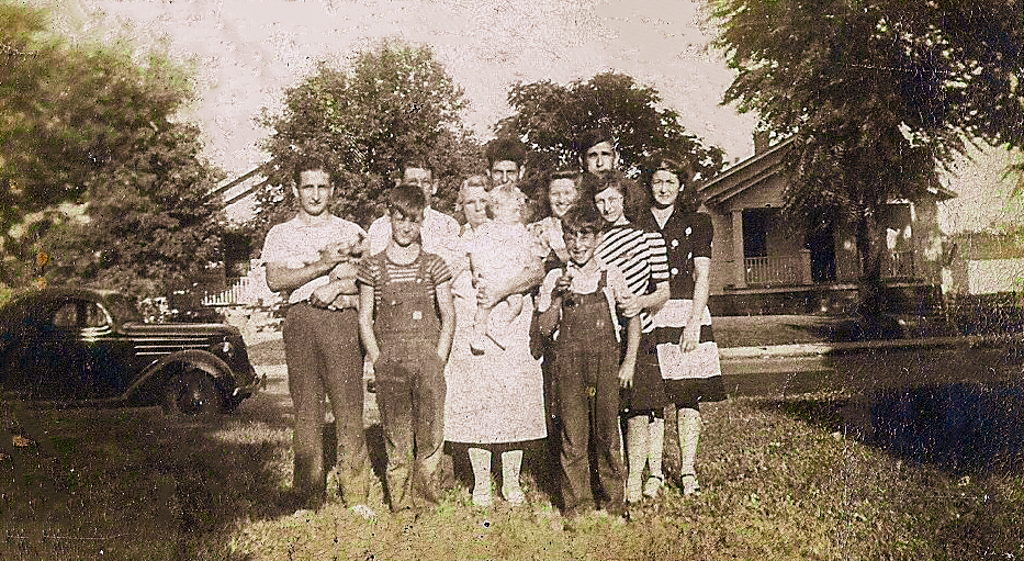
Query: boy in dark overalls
column 579, row 300
column 407, row 320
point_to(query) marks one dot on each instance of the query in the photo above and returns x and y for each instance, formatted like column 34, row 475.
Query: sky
column 245, row 53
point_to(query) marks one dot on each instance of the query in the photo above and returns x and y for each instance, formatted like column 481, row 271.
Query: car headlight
column 226, row 348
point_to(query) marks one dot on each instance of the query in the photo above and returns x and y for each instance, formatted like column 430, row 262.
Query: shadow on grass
column 135, row 484
column 958, row 427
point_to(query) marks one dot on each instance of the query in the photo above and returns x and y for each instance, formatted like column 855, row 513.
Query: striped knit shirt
column 641, row 256
column 371, row 272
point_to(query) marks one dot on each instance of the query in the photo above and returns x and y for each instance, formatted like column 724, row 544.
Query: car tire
column 192, row 392
column 232, row 403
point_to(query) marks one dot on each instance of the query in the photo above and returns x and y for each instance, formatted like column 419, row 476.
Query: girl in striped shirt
column 643, row 259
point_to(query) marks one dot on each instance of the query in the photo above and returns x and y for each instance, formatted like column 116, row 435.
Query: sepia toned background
column 247, row 52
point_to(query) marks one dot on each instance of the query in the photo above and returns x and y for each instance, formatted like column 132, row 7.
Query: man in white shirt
column 311, row 261
column 439, row 233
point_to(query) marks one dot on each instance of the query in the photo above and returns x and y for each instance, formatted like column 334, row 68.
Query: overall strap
column 385, row 275
column 422, row 273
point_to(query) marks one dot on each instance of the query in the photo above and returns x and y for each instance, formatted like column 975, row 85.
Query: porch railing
column 767, row 271
column 900, row 265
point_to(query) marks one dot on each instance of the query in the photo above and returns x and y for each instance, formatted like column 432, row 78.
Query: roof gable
column 747, row 174
column 756, row 170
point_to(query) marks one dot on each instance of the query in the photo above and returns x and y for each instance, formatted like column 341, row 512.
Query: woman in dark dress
column 687, row 352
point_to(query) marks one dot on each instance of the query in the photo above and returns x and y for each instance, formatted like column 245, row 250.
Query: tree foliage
column 152, row 226
column 549, row 116
column 879, row 94
column 394, row 104
column 86, row 125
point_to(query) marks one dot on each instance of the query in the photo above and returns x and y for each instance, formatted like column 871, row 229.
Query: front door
column 822, row 245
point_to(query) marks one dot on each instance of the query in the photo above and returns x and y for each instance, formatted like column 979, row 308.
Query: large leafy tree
column 86, row 127
column 151, row 224
column 879, row 95
column 393, row 104
column 550, row 116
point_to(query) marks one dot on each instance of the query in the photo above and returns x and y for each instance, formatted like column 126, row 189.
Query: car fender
column 205, row 360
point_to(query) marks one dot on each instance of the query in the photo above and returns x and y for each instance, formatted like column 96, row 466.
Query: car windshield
column 124, row 308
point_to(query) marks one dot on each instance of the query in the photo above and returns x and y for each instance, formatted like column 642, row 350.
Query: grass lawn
column 813, row 476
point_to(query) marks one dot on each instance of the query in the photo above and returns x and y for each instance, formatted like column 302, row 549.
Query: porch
column 782, row 271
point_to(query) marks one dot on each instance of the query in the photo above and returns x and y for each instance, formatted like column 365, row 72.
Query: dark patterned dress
column 696, row 376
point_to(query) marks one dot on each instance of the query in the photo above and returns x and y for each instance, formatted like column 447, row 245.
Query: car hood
column 180, row 329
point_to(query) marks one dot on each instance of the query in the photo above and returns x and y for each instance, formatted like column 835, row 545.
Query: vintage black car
column 91, row 347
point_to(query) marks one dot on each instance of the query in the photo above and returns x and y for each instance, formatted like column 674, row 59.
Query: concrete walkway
column 848, row 366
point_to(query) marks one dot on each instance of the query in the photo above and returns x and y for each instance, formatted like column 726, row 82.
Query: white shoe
column 690, row 484
column 653, row 486
column 364, row 511
column 513, row 495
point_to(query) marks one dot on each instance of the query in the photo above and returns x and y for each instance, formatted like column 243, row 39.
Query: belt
column 330, row 308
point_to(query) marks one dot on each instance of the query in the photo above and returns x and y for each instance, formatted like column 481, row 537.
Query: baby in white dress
column 498, row 251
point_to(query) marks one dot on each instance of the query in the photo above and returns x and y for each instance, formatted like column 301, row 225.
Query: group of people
column 491, row 333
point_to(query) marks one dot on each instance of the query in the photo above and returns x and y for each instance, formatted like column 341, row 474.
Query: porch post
column 805, row 266
column 739, row 263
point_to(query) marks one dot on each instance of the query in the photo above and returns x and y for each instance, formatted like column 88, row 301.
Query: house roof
column 755, row 170
column 745, row 174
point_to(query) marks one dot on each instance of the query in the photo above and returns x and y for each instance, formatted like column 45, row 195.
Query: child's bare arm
column 628, row 366
column 366, row 303
column 550, row 316
column 446, row 307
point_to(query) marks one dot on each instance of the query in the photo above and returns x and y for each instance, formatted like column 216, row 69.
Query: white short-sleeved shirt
column 439, row 235
column 616, row 291
column 296, row 243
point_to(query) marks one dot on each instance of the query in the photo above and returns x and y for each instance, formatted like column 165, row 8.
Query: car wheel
column 231, row 404
column 192, row 392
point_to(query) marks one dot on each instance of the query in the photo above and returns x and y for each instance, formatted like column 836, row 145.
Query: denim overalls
column 587, row 388
column 410, row 386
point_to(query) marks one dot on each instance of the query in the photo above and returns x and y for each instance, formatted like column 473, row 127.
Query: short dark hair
column 310, row 163
column 408, row 199
column 592, row 138
column 505, row 148
column 583, row 219
column 418, row 163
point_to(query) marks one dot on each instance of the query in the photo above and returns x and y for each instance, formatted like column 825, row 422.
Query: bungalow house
column 763, row 264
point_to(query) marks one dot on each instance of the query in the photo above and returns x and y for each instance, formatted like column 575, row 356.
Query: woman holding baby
column 495, row 395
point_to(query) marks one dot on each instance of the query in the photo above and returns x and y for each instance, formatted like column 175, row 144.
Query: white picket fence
column 249, row 290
